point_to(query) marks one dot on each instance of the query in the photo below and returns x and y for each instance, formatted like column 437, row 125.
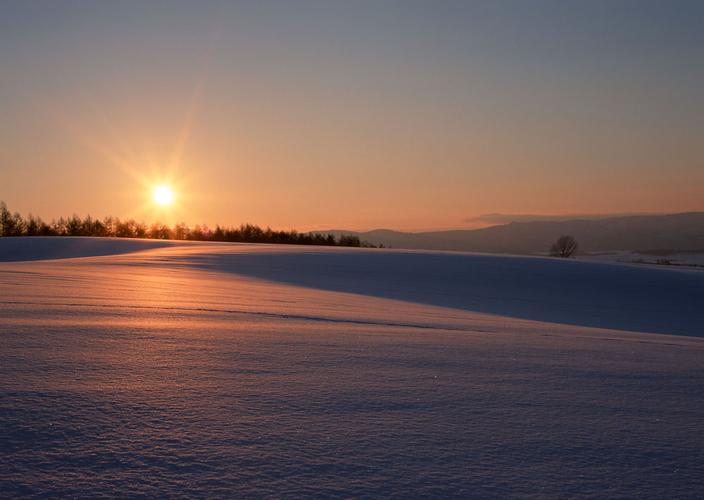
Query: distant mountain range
column 644, row 233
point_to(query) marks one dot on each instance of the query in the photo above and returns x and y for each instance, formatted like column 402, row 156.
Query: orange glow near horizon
column 464, row 122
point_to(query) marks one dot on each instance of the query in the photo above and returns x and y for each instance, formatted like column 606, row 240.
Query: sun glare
column 163, row 195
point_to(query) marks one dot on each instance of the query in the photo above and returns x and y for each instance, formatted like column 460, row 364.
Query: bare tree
column 564, row 247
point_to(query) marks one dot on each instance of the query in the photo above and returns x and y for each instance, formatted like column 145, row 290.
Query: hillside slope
column 591, row 294
column 681, row 232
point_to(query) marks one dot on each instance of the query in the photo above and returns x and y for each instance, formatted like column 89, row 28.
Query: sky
column 411, row 115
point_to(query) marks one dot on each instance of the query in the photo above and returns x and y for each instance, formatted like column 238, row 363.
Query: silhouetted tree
column 59, row 227
column 13, row 225
column 160, row 231
column 564, row 247
column 140, row 230
column 349, row 240
column 123, row 229
column 33, row 226
column 74, row 226
column 5, row 220
column 110, row 229
column 180, row 231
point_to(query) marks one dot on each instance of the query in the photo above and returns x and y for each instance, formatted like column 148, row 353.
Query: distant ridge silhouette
column 662, row 233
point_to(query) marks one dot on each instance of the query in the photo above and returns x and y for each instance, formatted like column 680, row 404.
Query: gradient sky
column 409, row 115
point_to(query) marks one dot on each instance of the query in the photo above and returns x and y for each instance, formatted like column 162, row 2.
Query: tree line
column 13, row 224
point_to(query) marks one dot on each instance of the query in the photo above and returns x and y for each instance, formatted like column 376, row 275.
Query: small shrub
column 564, row 247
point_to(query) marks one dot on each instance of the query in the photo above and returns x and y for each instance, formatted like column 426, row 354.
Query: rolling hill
column 675, row 232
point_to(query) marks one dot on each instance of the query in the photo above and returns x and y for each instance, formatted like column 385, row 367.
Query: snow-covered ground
column 693, row 260
column 251, row 370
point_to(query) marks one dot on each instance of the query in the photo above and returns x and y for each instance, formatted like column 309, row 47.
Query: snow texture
column 225, row 370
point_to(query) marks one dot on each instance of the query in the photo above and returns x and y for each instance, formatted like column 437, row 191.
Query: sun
column 163, row 195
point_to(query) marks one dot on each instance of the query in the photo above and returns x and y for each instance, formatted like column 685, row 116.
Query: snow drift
column 593, row 294
column 47, row 248
column 221, row 370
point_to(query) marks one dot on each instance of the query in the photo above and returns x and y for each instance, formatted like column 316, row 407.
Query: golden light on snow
column 163, row 195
